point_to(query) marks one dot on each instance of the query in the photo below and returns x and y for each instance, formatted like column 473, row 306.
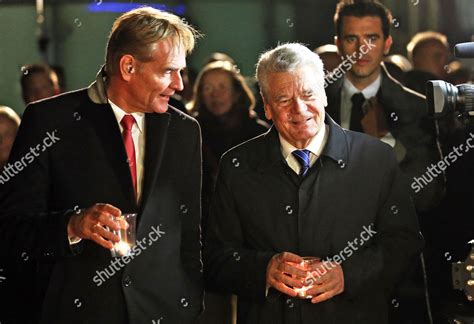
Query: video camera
column 445, row 98
column 463, row 274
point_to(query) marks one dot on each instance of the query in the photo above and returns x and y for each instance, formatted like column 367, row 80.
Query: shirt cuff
column 389, row 139
column 74, row 240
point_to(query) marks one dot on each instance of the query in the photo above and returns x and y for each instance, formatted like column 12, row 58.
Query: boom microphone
column 464, row 50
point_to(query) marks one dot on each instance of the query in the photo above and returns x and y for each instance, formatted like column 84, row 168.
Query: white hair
column 288, row 58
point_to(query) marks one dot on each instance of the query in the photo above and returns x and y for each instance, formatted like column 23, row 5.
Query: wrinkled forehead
column 301, row 80
column 164, row 50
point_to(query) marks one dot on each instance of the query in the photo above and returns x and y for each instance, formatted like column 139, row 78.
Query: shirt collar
column 336, row 147
column 119, row 113
column 315, row 146
column 368, row 92
column 96, row 91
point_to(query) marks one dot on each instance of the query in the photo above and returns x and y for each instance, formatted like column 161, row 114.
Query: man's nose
column 299, row 106
column 176, row 81
column 358, row 43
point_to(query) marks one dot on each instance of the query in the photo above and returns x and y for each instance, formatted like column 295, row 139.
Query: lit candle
column 122, row 248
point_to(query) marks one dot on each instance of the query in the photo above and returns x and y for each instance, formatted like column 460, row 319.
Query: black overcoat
column 260, row 208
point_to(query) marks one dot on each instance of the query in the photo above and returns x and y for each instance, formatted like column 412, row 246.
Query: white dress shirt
column 138, row 135
column 348, row 89
column 315, row 146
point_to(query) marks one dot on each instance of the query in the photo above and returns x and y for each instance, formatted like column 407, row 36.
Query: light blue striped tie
column 302, row 156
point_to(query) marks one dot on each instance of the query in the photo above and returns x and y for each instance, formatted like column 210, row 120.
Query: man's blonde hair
column 136, row 31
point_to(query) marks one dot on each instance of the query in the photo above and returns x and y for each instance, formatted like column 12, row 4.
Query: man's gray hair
column 288, row 58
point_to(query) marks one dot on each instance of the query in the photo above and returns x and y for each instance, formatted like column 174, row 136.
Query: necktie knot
column 127, row 122
column 357, row 99
column 303, row 158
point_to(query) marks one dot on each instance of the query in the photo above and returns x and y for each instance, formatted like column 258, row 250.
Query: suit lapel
column 156, row 133
column 105, row 125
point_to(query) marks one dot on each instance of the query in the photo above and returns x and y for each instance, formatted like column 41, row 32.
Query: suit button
column 127, row 281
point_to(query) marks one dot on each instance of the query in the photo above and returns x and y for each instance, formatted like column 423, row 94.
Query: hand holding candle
column 283, row 273
column 126, row 233
column 307, row 265
column 95, row 224
column 327, row 281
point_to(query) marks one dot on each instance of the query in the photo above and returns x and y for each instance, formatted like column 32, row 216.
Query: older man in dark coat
column 308, row 188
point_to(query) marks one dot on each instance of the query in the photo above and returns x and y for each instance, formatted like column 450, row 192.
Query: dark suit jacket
column 415, row 133
column 88, row 165
column 260, row 208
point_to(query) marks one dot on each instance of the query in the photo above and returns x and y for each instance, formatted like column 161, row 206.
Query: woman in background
column 224, row 106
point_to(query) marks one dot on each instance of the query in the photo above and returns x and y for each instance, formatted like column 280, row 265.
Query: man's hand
column 89, row 224
column 328, row 281
column 374, row 122
column 281, row 273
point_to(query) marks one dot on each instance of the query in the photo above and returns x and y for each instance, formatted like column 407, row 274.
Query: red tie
column 127, row 124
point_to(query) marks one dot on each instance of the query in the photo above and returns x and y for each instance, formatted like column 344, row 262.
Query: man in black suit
column 82, row 158
column 365, row 98
column 307, row 187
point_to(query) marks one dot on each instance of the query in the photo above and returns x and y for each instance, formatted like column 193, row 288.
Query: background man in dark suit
column 308, row 188
column 95, row 153
column 367, row 99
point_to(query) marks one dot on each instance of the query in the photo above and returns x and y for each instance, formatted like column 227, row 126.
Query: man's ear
column 337, row 42
column 266, row 107
column 387, row 45
column 127, row 67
